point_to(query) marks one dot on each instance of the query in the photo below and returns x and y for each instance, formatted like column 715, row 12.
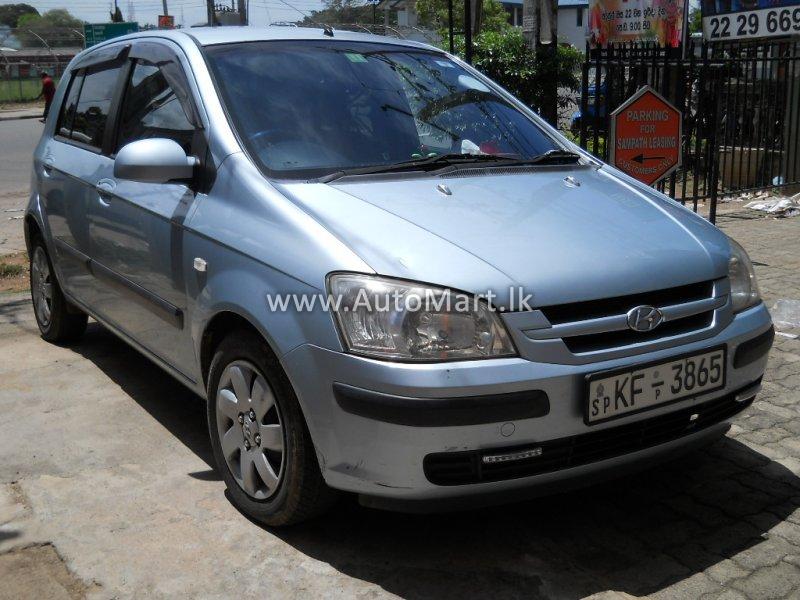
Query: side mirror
column 156, row 160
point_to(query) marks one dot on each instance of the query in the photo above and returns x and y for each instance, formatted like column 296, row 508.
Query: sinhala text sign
column 615, row 21
column 646, row 136
column 740, row 19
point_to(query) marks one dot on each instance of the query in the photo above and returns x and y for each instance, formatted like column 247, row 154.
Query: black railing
column 741, row 119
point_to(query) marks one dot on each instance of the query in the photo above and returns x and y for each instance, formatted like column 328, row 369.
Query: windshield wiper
column 554, row 156
column 436, row 161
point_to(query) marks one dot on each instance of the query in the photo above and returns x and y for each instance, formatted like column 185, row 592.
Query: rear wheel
column 260, row 440
column 58, row 320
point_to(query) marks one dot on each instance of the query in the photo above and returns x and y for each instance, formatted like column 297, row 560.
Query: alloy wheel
column 41, row 287
column 250, row 429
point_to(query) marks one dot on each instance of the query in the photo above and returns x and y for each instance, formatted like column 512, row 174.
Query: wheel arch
column 32, row 229
column 222, row 323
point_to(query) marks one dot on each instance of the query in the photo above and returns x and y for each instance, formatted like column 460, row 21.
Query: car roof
column 209, row 36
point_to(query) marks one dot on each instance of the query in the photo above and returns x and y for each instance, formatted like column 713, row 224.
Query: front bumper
column 383, row 456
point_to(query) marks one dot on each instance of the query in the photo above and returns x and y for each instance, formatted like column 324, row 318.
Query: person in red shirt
column 48, row 91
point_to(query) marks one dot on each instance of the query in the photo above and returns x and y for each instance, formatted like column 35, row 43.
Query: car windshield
column 305, row 109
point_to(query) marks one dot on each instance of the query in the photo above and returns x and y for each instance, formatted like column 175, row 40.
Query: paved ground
column 17, row 140
column 107, row 491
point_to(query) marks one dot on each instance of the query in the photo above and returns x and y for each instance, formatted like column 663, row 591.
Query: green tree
column 10, row 13
column 506, row 58
column 695, row 21
column 433, row 14
column 55, row 26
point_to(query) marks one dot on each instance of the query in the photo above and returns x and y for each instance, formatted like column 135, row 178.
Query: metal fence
column 740, row 111
column 25, row 53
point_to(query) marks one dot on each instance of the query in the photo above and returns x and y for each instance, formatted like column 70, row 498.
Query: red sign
column 166, row 22
column 646, row 136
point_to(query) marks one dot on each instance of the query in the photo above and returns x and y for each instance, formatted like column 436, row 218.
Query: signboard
column 749, row 19
column 616, row 21
column 646, row 136
column 166, row 22
column 100, row 32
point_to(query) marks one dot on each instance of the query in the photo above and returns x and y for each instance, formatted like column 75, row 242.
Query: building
column 572, row 17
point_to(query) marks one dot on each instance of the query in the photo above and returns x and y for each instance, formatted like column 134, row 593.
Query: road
column 108, row 490
column 17, row 141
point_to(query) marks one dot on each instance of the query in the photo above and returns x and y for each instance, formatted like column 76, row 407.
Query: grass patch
column 10, row 270
column 20, row 90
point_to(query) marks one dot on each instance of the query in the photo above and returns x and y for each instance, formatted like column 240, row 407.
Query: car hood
column 562, row 240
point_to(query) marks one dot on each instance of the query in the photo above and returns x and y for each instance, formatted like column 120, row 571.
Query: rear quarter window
column 67, row 115
column 85, row 112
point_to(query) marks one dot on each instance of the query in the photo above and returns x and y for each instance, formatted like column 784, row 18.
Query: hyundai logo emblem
column 644, row 318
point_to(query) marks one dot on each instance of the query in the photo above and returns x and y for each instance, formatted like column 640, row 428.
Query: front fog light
column 400, row 320
column 744, row 288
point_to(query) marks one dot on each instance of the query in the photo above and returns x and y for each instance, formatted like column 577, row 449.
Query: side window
column 152, row 109
column 91, row 114
column 67, row 116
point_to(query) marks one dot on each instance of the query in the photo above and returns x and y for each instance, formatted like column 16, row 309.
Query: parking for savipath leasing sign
column 646, row 136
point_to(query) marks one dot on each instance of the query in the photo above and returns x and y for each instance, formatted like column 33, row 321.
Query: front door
column 137, row 230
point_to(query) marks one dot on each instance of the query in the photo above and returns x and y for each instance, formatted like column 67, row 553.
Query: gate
column 741, row 119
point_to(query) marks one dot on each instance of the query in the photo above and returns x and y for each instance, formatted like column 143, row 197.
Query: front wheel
column 57, row 319
column 260, row 440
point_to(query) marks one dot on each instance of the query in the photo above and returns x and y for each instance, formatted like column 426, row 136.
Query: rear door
column 73, row 163
column 137, row 232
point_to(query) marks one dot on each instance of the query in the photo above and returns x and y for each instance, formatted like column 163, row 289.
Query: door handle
column 47, row 167
column 104, row 189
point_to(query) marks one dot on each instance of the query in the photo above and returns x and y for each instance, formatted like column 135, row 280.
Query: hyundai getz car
column 386, row 275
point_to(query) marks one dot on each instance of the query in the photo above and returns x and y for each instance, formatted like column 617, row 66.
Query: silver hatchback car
column 386, row 275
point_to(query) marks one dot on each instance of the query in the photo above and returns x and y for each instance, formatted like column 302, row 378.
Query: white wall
column 568, row 29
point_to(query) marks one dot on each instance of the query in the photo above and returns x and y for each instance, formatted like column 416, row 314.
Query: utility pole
column 164, row 5
column 210, row 11
column 540, row 28
column 242, row 12
column 468, row 31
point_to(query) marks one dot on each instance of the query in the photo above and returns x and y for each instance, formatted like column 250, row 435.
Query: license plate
column 621, row 393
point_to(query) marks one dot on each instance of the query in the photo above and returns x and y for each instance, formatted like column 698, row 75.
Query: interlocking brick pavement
column 114, row 498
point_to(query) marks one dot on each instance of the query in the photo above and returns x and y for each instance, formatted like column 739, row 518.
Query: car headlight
column 399, row 320
column 744, row 288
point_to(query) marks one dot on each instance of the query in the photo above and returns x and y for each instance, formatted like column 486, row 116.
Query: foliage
column 346, row 11
column 506, row 58
column 433, row 14
column 8, row 270
column 116, row 15
column 695, row 21
column 50, row 26
column 10, row 13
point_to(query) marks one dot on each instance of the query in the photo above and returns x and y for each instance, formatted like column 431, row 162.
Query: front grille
column 593, row 309
column 599, row 325
column 461, row 468
column 626, row 337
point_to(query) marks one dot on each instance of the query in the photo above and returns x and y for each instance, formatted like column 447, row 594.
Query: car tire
column 259, row 437
column 58, row 320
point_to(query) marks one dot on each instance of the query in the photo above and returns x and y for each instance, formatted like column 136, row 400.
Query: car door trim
column 67, row 251
column 166, row 311
column 189, row 382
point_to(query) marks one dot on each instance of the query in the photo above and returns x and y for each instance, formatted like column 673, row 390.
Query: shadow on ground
column 638, row 535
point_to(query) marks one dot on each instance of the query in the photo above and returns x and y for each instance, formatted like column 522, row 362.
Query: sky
column 186, row 12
